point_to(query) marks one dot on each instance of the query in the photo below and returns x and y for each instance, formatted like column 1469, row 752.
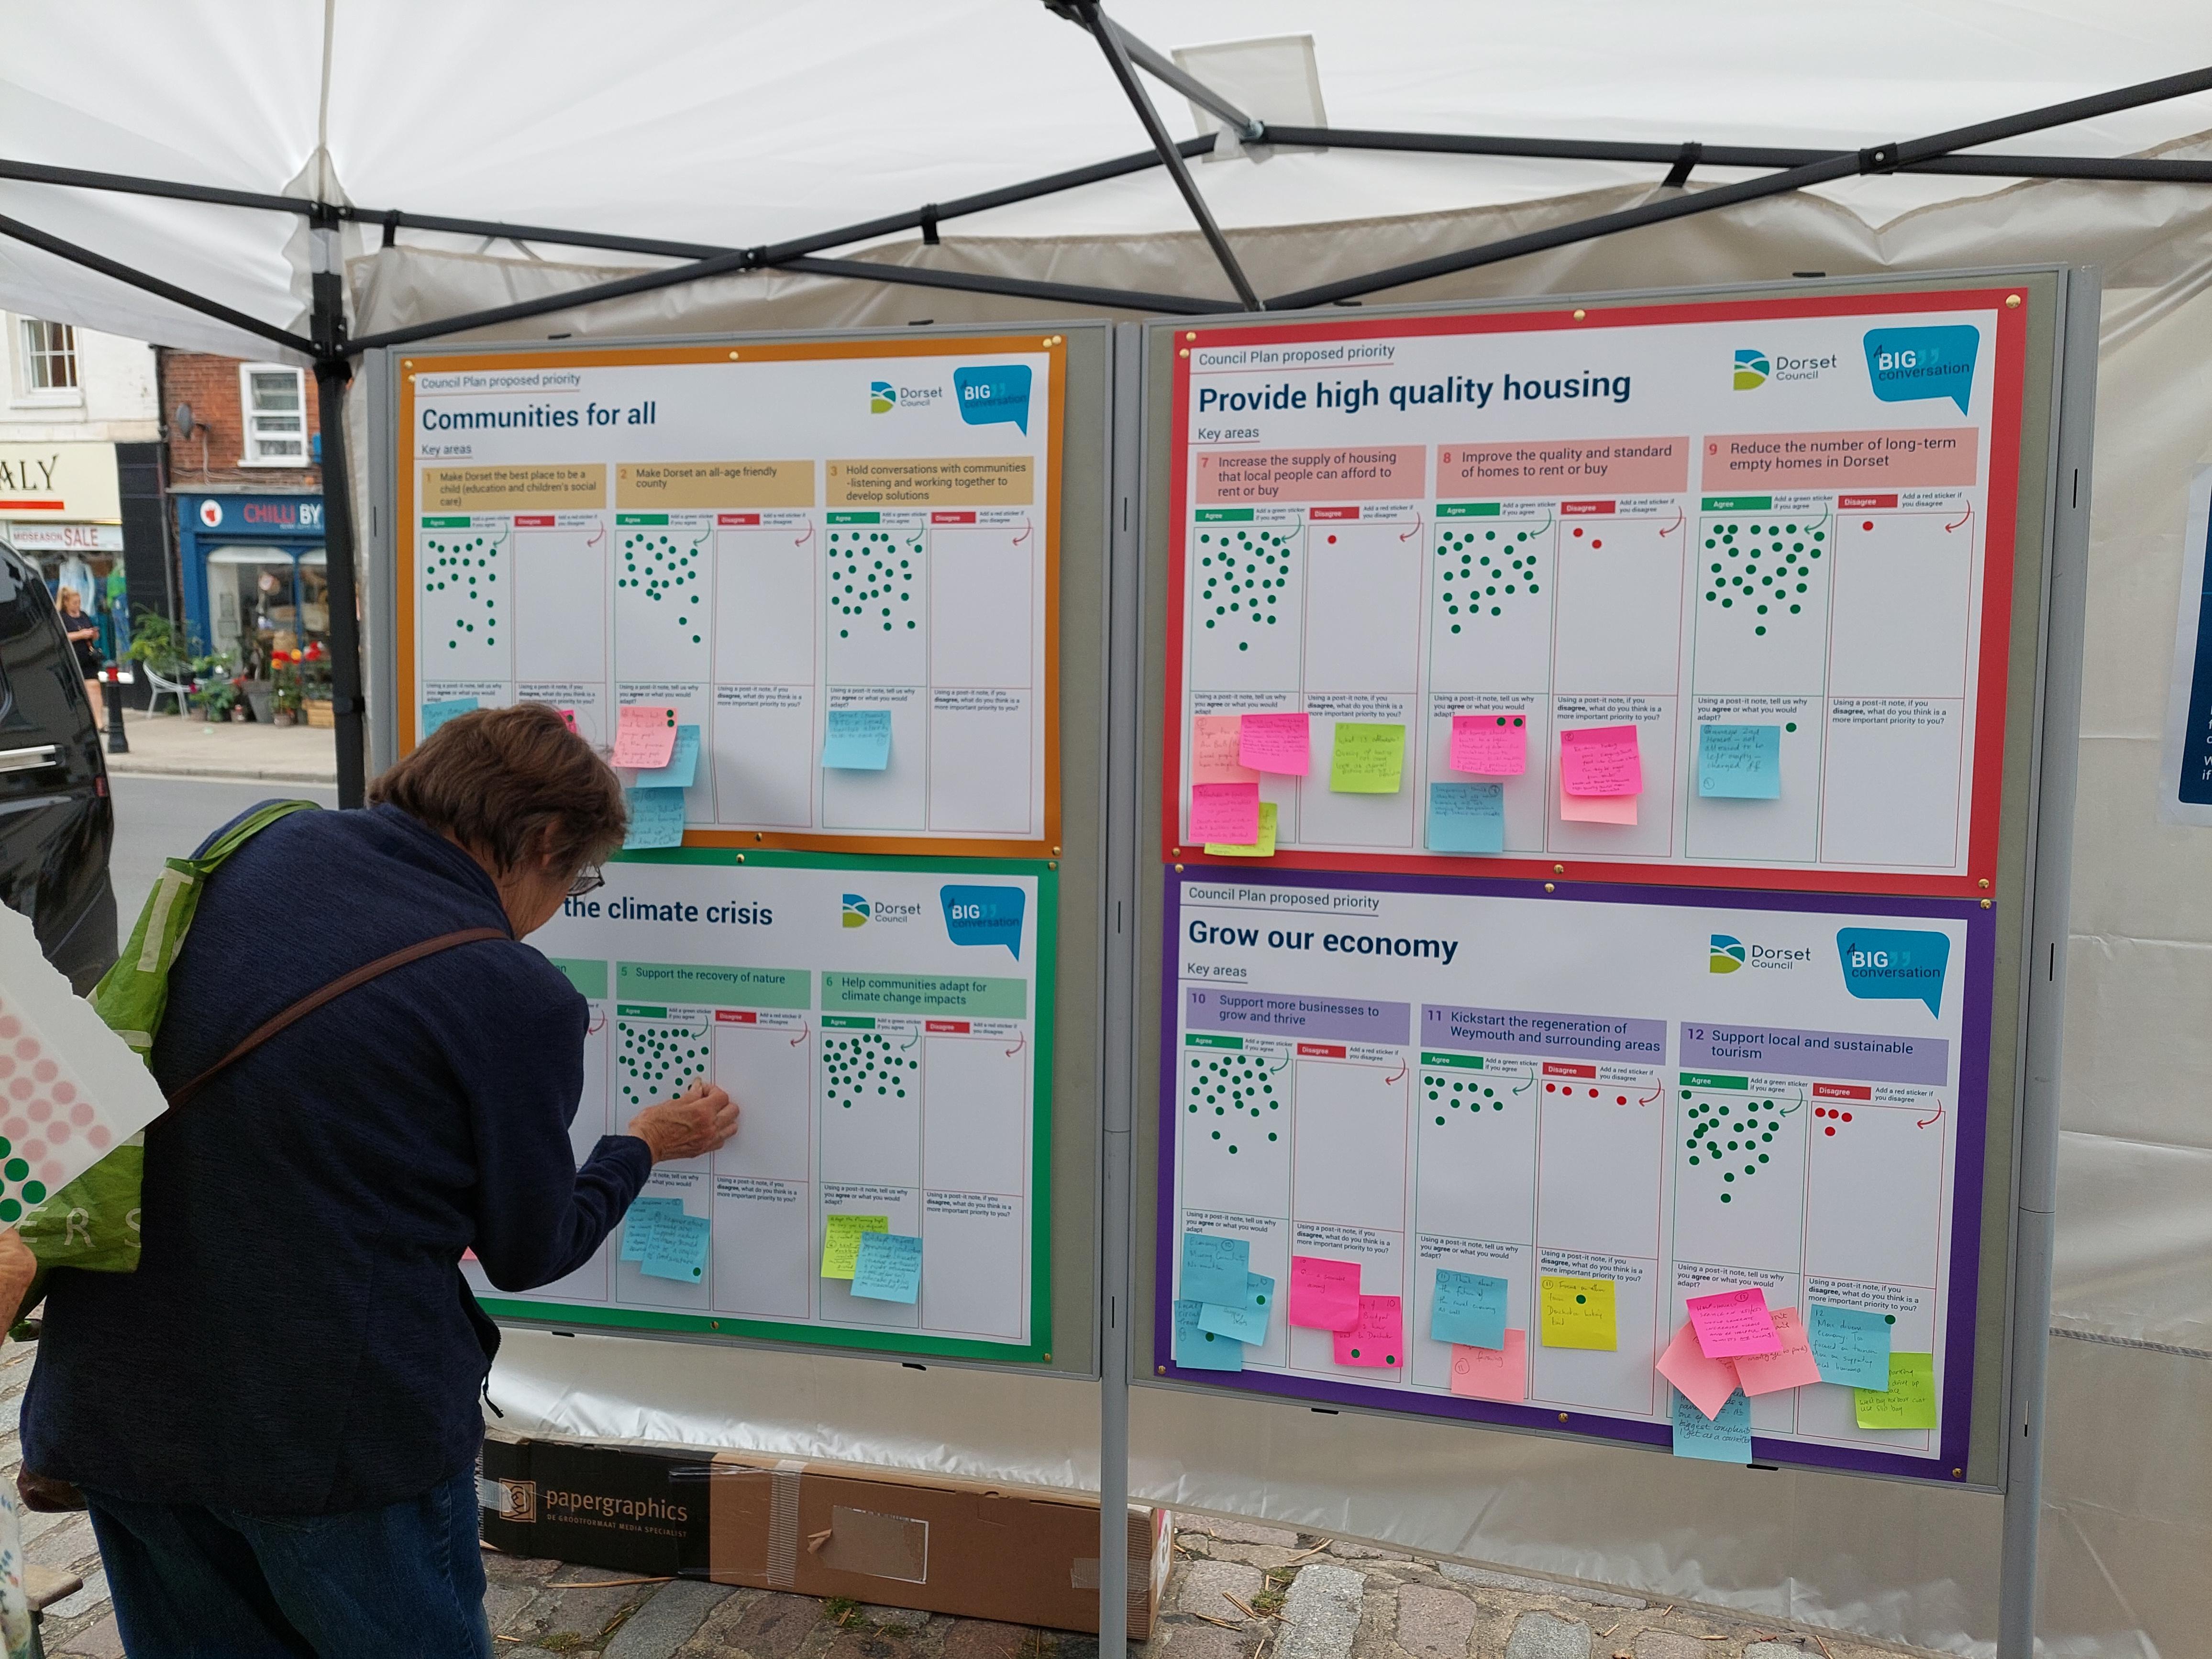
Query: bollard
column 112, row 682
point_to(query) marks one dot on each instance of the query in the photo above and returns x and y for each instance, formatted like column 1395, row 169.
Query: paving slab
column 1542, row 1636
column 885, row 1618
column 101, row 1641
column 192, row 748
column 1671, row 1645
column 770, row 1625
column 1237, row 1532
column 985, row 1638
column 1195, row 1641
column 1321, row 1614
column 1490, row 1578
column 1435, row 1623
column 671, row 1616
column 1773, row 1650
column 1205, row 1582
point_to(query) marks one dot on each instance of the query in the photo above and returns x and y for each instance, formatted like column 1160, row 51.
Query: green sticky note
column 841, row 1243
column 1367, row 758
column 1911, row 1402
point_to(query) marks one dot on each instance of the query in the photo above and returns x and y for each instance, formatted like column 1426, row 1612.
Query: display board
column 1771, row 535
column 1595, row 746
column 1630, row 1096
column 762, row 537
column 887, row 1028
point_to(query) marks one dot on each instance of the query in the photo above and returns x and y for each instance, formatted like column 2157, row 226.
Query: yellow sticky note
column 1262, row 849
column 1578, row 1314
column 1911, row 1402
column 841, row 1243
column 1367, row 758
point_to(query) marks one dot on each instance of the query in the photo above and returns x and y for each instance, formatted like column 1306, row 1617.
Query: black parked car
column 56, row 821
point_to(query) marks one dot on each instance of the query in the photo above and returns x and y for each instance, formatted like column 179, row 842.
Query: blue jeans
column 195, row 1582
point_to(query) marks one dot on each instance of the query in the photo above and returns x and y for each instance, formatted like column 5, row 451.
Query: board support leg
column 2057, row 760
column 1118, row 1079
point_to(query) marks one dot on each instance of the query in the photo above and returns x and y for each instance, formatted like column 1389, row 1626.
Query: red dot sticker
column 1869, row 525
column 1332, row 541
column 1594, row 543
column 1847, row 1117
column 1592, row 1094
column 1551, row 1088
column 1621, row 1100
column 1829, row 1130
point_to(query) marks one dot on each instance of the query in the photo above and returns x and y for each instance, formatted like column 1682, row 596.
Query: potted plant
column 315, row 685
column 160, row 647
column 288, row 694
column 214, row 692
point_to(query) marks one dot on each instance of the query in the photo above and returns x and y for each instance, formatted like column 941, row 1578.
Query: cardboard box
column 1021, row 1555
column 631, row 1509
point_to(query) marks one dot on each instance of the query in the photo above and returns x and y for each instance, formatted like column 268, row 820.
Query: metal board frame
column 2028, row 896
column 1079, row 983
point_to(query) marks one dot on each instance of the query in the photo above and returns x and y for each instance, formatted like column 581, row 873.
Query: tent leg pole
column 346, row 701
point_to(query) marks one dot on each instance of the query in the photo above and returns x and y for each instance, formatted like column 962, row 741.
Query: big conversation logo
column 994, row 393
column 976, row 914
column 1907, row 364
column 1894, row 965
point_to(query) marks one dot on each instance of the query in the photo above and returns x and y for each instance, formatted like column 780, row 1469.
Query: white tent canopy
column 730, row 126
column 737, row 126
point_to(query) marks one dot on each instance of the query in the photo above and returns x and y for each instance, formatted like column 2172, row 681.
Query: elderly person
column 275, row 1418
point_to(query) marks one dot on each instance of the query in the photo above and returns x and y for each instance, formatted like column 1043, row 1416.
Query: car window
column 38, row 675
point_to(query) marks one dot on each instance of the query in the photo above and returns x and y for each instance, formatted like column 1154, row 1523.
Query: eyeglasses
column 590, row 881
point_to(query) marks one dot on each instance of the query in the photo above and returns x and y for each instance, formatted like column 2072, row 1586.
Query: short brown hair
column 510, row 784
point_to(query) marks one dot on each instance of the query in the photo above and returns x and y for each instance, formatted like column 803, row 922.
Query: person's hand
column 18, row 1266
column 697, row 1121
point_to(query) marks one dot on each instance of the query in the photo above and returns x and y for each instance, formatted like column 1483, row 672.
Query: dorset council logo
column 856, row 911
column 1751, row 369
column 883, row 397
column 1727, row 954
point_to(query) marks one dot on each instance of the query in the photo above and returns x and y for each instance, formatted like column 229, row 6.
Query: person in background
column 275, row 1418
column 83, row 631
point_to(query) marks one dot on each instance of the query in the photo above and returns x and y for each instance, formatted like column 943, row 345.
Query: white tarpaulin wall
column 739, row 125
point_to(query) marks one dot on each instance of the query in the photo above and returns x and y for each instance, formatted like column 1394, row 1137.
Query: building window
column 274, row 402
column 49, row 357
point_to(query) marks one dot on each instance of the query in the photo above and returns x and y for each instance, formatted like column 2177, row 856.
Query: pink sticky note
column 568, row 717
column 1792, row 1368
column 1601, row 760
column 1495, row 745
column 1379, row 1338
column 1597, row 809
column 1213, row 740
column 1324, row 1293
column 1706, row 1384
column 1732, row 1322
column 646, row 736
column 1276, row 742
column 1492, row 1373
column 1225, row 813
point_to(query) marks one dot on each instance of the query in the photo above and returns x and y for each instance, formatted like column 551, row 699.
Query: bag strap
column 338, row 987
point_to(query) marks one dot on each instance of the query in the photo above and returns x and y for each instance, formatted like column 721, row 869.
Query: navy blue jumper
column 298, row 1339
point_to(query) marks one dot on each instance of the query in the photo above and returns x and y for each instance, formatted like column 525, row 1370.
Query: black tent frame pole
column 332, row 353
column 1117, row 58
column 1880, row 158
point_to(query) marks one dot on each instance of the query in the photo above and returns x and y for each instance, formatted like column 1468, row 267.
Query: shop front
column 61, row 508
column 255, row 581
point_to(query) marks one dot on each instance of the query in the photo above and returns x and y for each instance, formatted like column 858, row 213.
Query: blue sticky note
column 858, row 740
column 1466, row 817
column 677, row 1246
column 637, row 1227
column 435, row 715
column 1201, row 1350
column 1723, row 1439
column 889, row 1267
column 656, row 817
column 1469, row 1309
column 1246, row 1321
column 1849, row 1347
column 683, row 768
column 1215, row 1269
column 1740, row 763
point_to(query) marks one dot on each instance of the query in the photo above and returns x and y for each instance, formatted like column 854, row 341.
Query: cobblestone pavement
column 1238, row 1591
